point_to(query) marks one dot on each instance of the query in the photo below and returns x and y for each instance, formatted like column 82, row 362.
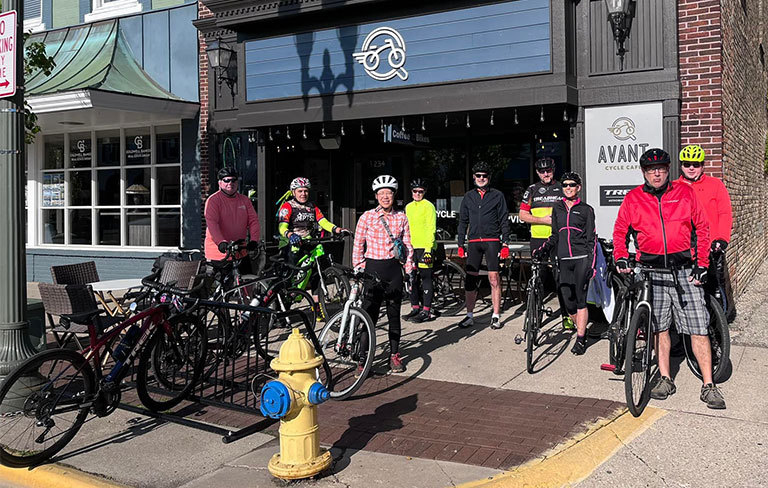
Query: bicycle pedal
column 518, row 339
column 608, row 367
column 548, row 312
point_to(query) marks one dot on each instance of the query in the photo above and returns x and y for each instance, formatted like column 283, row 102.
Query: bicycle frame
column 356, row 290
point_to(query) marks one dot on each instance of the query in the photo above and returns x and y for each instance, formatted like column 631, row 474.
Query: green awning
column 93, row 56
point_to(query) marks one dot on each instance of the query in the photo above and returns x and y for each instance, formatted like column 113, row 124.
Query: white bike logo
column 370, row 56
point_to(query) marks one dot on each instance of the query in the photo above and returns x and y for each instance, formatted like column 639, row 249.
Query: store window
column 125, row 193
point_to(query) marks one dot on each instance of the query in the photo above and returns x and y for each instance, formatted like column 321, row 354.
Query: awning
column 94, row 65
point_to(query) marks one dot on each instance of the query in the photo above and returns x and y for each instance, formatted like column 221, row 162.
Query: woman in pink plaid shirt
column 375, row 251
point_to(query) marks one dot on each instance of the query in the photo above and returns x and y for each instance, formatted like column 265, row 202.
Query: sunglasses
column 545, row 171
column 662, row 169
column 689, row 164
column 570, row 185
column 417, row 191
column 481, row 175
column 229, row 180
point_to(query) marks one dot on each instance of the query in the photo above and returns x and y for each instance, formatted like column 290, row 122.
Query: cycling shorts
column 574, row 282
column 475, row 252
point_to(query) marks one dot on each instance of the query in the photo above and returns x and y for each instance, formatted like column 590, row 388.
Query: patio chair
column 182, row 273
column 75, row 274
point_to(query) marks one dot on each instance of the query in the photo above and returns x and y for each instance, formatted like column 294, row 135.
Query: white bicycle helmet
column 300, row 183
column 384, row 181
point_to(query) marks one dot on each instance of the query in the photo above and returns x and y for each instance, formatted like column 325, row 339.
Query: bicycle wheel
column 344, row 353
column 532, row 325
column 171, row 365
column 638, row 361
column 269, row 332
column 219, row 334
column 448, row 283
column 619, row 326
column 719, row 343
column 43, row 403
column 337, row 285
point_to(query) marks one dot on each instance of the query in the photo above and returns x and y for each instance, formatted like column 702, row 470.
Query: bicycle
column 45, row 400
column 534, row 313
column 341, row 339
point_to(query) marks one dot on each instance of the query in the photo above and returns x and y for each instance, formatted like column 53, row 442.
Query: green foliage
column 35, row 59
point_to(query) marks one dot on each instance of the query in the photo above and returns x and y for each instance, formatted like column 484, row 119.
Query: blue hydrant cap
column 318, row 394
column 275, row 400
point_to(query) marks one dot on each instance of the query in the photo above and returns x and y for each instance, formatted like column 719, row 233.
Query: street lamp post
column 14, row 338
column 620, row 17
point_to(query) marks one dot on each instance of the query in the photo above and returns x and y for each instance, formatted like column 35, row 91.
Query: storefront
column 348, row 90
column 114, row 174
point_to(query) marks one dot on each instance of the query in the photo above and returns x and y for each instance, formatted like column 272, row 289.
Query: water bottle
column 131, row 336
column 255, row 302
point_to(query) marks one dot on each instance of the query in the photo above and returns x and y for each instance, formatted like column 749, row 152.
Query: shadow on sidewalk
column 363, row 428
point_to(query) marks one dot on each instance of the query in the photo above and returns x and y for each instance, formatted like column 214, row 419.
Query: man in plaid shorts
column 663, row 217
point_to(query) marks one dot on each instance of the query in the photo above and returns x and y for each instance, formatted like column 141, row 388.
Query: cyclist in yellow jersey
column 536, row 209
column 422, row 219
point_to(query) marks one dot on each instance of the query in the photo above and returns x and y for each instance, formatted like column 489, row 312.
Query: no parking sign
column 8, row 54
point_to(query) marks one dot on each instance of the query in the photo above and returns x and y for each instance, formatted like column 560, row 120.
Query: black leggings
column 545, row 277
column 574, row 281
column 389, row 271
column 421, row 282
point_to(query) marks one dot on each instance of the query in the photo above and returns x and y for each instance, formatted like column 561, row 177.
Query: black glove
column 253, row 245
column 223, row 247
column 294, row 239
column 622, row 264
column 718, row 245
column 541, row 253
column 699, row 274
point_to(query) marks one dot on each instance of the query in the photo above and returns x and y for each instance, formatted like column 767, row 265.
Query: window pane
column 109, row 227
column 53, row 189
column 54, row 152
column 168, row 186
column 80, row 188
column 108, row 147
column 80, row 226
column 53, row 226
column 168, row 145
column 138, row 146
column 139, row 227
column 137, row 186
column 169, row 227
column 109, row 187
column 80, row 150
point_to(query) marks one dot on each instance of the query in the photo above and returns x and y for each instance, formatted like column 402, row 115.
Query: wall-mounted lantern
column 620, row 14
column 223, row 59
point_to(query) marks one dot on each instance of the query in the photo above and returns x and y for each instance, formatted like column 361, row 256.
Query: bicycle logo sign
column 623, row 128
column 370, row 55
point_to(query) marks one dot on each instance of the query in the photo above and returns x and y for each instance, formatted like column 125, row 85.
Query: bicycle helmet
column 571, row 176
column 481, row 167
column 419, row 183
column 544, row 163
column 654, row 156
column 384, row 181
column 300, row 183
column 228, row 171
column 693, row 153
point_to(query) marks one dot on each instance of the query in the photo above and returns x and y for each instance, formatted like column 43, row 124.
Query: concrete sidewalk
column 690, row 446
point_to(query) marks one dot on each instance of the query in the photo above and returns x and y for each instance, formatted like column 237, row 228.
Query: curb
column 575, row 459
column 54, row 475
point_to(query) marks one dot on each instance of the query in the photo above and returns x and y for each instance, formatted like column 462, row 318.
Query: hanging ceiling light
column 288, row 132
column 516, row 121
column 491, row 118
column 541, row 117
column 446, row 120
column 270, row 134
column 342, row 129
column 362, row 129
column 423, row 124
column 304, row 132
column 382, row 126
column 468, row 125
column 322, row 130
column 565, row 115
column 402, row 124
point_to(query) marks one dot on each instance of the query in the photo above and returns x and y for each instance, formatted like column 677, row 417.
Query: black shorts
column 575, row 275
column 475, row 252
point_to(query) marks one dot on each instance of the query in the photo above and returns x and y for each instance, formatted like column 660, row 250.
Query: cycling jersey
column 483, row 216
column 228, row 218
column 303, row 219
column 573, row 230
column 714, row 198
column 539, row 199
column 666, row 225
column 422, row 219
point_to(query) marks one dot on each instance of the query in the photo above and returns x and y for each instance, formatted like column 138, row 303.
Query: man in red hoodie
column 714, row 198
column 662, row 216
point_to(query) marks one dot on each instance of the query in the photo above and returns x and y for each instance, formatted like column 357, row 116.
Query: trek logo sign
column 612, row 196
column 383, row 41
column 8, row 54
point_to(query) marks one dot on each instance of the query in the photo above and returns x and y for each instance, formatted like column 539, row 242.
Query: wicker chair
column 182, row 273
column 71, row 299
column 75, row 274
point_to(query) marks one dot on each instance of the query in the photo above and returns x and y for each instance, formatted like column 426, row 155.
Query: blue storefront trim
column 503, row 39
column 112, row 265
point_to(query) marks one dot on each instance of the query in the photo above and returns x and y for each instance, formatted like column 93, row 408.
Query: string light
column 342, row 129
column 287, row 132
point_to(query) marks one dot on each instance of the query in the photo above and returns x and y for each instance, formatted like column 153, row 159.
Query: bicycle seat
column 66, row 320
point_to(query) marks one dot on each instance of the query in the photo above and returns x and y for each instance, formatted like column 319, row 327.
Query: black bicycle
column 534, row 313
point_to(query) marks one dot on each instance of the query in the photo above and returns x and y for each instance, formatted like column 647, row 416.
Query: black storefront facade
column 342, row 91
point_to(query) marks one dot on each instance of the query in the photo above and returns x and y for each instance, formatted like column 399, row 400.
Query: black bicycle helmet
column 571, row 176
column 228, row 171
column 544, row 163
column 419, row 183
column 654, row 156
column 481, row 167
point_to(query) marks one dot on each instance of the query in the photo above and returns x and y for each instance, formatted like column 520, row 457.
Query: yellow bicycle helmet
column 692, row 153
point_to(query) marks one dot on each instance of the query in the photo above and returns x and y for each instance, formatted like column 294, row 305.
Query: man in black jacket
column 484, row 217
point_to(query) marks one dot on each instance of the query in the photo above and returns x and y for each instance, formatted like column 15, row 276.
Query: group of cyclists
column 683, row 225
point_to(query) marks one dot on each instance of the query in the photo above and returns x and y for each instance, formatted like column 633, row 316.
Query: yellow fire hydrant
column 293, row 398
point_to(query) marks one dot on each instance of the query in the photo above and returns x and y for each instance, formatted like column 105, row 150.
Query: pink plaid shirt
column 378, row 245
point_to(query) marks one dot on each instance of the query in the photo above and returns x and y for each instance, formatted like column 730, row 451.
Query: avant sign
column 8, row 54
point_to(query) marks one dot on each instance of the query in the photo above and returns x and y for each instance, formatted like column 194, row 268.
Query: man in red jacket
column 662, row 216
column 714, row 198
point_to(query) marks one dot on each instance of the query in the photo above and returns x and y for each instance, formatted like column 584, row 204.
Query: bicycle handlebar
column 282, row 262
column 150, row 282
column 358, row 274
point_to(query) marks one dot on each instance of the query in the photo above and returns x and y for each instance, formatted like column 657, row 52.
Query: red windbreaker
column 714, row 198
column 663, row 227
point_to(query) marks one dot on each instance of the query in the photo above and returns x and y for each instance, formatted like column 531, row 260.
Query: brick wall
column 203, row 12
column 745, row 86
